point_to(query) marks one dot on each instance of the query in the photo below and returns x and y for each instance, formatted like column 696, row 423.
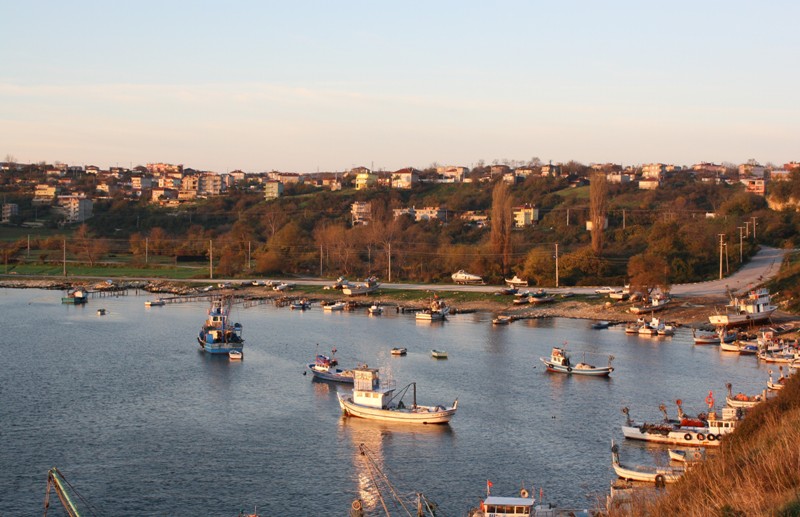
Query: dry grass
column 756, row 473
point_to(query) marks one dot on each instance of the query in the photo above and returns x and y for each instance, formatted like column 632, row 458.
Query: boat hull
column 422, row 415
column 220, row 348
column 604, row 371
column 696, row 437
column 733, row 320
column 334, row 376
column 657, row 475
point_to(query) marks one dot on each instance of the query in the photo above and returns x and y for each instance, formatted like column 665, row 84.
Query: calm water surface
column 141, row 423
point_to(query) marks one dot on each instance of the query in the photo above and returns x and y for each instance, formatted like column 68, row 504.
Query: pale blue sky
column 301, row 86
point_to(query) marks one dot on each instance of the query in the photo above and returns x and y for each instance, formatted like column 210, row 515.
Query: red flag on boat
column 488, row 486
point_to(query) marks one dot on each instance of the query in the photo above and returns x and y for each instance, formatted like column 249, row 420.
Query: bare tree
column 598, row 199
column 502, row 222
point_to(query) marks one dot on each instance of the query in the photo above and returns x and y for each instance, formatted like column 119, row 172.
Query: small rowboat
column 399, row 351
column 438, row 354
column 235, row 355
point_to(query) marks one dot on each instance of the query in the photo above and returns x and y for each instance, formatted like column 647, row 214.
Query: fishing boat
column 369, row 285
column 753, row 307
column 218, row 335
column 694, row 432
column 463, row 278
column 375, row 310
column 324, row 368
column 158, row 302
column 662, row 328
column 559, row 362
column 522, row 506
column 399, row 351
column 371, row 401
column 600, row 325
column 658, row 475
column 439, row 354
column 685, row 456
column 778, row 384
column 740, row 400
column 300, row 305
column 101, row 312
column 656, row 303
column 235, row 355
column 437, row 311
column 75, row 297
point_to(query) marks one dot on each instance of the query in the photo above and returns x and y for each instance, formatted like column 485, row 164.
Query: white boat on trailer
column 753, row 307
column 463, row 278
column 371, row 401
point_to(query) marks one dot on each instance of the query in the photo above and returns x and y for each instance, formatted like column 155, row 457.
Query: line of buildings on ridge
column 66, row 189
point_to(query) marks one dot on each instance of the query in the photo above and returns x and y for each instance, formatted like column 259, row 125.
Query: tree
column 86, row 246
column 648, row 272
column 598, row 198
column 502, row 222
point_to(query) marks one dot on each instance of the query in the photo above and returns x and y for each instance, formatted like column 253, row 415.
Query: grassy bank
column 755, row 473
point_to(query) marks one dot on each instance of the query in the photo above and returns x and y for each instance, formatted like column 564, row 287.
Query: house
column 405, row 178
column 755, row 185
column 9, row 211
column 273, row 189
column 422, row 214
column 44, row 193
column 361, row 212
column 165, row 168
column 648, row 184
column 524, row 215
column 141, row 182
column 551, row 170
column 497, row 170
column 618, row 178
column 455, row 173
column 654, row 170
column 366, row 180
column 779, row 175
column 76, row 209
column 209, row 184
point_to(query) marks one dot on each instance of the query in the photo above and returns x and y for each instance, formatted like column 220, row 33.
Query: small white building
column 361, row 212
column 524, row 215
column 273, row 189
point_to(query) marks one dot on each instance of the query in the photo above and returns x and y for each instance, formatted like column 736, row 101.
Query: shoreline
column 682, row 311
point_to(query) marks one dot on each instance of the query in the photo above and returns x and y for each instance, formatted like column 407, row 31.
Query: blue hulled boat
column 218, row 335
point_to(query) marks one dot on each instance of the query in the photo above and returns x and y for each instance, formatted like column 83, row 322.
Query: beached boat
column 560, row 362
column 324, row 368
column 437, row 311
column 371, row 401
column 399, row 351
column 540, row 297
column 439, row 354
column 656, row 303
column 753, row 307
column 463, row 278
column 369, row 285
column 687, row 431
column 235, row 355
column 75, row 297
column 516, row 282
column 158, row 302
column 218, row 335
column 658, row 475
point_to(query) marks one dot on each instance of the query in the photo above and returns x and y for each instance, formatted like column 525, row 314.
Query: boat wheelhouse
column 753, row 307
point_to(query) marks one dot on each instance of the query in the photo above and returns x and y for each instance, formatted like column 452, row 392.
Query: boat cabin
column 730, row 417
column 559, row 357
column 367, row 390
column 495, row 506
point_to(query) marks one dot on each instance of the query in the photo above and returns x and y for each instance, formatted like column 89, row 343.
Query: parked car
column 605, row 290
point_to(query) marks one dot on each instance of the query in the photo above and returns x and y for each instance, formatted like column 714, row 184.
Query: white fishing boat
column 370, row 285
column 158, row 302
column 501, row 319
column 559, row 362
column 399, row 351
column 706, row 432
column 463, row 278
column 439, row 354
column 375, row 309
column 742, row 401
column 510, row 506
column 372, row 401
column 753, row 307
column 235, row 355
column 777, row 384
column 300, row 305
column 437, row 311
column 686, row 456
column 658, row 475
column 324, row 368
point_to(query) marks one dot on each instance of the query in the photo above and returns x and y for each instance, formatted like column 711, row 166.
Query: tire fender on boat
column 660, row 480
column 569, row 369
column 687, row 437
column 711, row 437
column 701, row 436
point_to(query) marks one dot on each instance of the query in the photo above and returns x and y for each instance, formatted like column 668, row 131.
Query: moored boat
column 658, row 475
column 694, row 432
column 235, row 355
column 101, row 312
column 560, row 362
column 371, row 401
column 742, row 401
column 437, row 311
column 501, row 319
column 439, row 354
column 75, row 297
column 338, row 306
column 600, row 325
column 685, row 456
column 218, row 335
column 656, row 303
column 324, row 368
column 158, row 302
column 375, row 309
column 523, row 506
column 399, row 351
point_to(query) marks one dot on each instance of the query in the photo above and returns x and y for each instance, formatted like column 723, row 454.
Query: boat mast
column 415, row 394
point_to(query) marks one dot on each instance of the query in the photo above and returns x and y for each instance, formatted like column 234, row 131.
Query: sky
column 308, row 86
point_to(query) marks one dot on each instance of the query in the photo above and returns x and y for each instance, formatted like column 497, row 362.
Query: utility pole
column 29, row 245
column 64, row 260
column 740, row 243
column 320, row 260
column 210, row 259
column 567, row 216
column 146, row 249
column 754, row 228
column 623, row 218
column 556, row 264
column 727, row 265
column 248, row 257
column 390, row 262
column 747, row 229
column 721, row 235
